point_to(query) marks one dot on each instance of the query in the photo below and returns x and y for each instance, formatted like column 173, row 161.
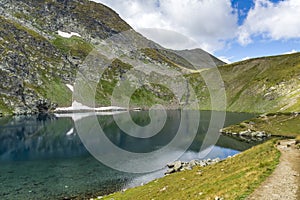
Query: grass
column 260, row 85
column 58, row 93
column 234, row 178
column 75, row 46
column 146, row 96
column 277, row 124
column 4, row 109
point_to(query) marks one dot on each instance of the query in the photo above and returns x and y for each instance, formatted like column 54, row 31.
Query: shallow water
column 44, row 157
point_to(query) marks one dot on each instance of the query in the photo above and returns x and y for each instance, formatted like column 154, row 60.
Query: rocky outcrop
column 179, row 166
column 247, row 134
column 34, row 70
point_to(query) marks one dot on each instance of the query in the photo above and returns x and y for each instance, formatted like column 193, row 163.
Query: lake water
column 44, row 157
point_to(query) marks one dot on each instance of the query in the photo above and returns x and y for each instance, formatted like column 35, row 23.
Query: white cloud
column 225, row 59
column 291, row 52
column 275, row 21
column 208, row 22
column 246, row 58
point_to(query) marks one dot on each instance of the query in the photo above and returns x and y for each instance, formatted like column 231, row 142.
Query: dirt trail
column 284, row 183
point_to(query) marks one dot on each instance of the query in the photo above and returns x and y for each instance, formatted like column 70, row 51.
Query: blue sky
column 260, row 46
column 230, row 29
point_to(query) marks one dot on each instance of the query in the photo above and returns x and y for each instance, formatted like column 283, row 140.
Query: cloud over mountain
column 208, row 22
column 213, row 25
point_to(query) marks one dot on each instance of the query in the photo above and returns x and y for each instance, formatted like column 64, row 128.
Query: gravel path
column 284, row 183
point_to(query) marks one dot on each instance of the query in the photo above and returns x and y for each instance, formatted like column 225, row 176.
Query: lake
column 50, row 156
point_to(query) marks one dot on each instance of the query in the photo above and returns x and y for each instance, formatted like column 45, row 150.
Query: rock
column 202, row 164
column 251, row 123
column 170, row 165
column 170, row 171
column 244, row 133
column 177, row 165
column 193, row 163
column 260, row 134
column 218, row 198
column 184, row 166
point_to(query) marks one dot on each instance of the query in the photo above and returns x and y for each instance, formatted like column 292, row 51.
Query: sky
column 232, row 30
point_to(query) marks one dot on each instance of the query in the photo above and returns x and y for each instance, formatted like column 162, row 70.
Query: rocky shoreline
column 248, row 135
column 179, row 166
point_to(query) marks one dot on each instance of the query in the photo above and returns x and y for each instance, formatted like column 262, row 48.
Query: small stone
column 218, row 198
column 163, row 189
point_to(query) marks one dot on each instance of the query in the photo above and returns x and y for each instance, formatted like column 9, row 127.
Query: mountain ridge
column 37, row 63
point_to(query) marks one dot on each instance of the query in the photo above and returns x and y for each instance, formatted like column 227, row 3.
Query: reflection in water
column 42, row 157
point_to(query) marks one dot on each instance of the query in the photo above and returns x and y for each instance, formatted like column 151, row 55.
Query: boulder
column 177, row 166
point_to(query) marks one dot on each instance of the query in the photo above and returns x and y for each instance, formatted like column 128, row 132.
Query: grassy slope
column 75, row 46
column 234, row 178
column 260, row 85
column 264, row 84
column 276, row 124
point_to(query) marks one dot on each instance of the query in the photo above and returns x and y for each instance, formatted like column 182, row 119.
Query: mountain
column 45, row 44
column 268, row 84
column 37, row 62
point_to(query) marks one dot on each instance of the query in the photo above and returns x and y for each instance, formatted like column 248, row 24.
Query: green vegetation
column 278, row 124
column 143, row 97
column 268, row 84
column 58, row 93
column 147, row 96
column 157, row 56
column 88, row 11
column 4, row 109
column 75, row 46
column 260, row 85
column 234, row 178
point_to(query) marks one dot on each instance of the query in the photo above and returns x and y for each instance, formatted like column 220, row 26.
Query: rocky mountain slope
column 36, row 62
column 39, row 60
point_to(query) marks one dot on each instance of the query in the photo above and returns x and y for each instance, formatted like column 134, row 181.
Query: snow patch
column 71, row 87
column 67, row 35
column 70, row 132
column 76, row 106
